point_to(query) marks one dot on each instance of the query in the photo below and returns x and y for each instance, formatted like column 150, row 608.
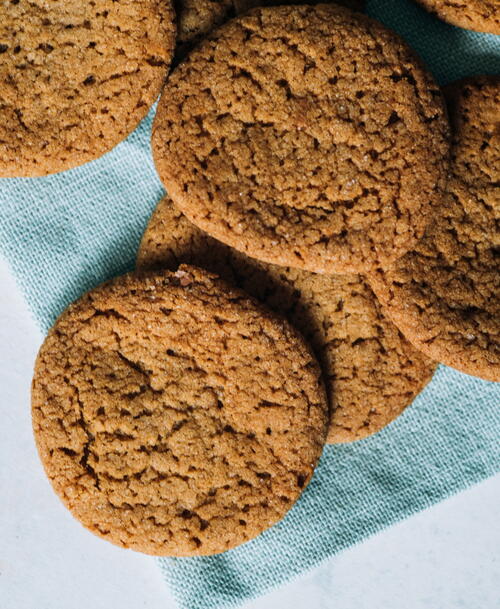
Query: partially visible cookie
column 197, row 18
column 76, row 78
column 372, row 373
column 175, row 415
column 479, row 15
column 245, row 5
column 305, row 136
column 445, row 295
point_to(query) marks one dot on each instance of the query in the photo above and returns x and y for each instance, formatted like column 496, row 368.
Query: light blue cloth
column 66, row 233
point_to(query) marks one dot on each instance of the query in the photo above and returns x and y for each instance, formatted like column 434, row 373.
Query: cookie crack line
column 277, row 139
column 194, row 467
column 365, row 360
column 444, row 295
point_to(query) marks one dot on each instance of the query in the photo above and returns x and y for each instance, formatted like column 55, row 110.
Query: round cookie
column 478, row 15
column 304, row 136
column 197, row 18
column 445, row 295
column 76, row 78
column 371, row 372
column 175, row 415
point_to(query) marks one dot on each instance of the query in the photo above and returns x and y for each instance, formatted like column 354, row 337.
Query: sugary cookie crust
column 304, row 136
column 371, row 372
column 479, row 15
column 76, row 78
column 197, row 18
column 174, row 415
column 445, row 295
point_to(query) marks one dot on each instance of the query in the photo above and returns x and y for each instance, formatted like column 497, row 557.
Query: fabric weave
column 64, row 234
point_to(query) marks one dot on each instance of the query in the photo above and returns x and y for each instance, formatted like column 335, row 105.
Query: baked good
column 371, row 372
column 76, row 78
column 445, row 295
column 479, row 15
column 305, row 136
column 174, row 415
column 197, row 18
column 242, row 6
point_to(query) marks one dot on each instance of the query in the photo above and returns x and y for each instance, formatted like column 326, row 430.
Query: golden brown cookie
column 175, row 415
column 197, row 18
column 445, row 295
column 76, row 78
column 479, row 15
column 306, row 136
column 372, row 373
column 242, row 6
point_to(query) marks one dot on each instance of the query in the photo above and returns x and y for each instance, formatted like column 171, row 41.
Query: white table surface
column 444, row 558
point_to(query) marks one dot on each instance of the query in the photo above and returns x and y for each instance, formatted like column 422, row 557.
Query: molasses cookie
column 371, row 372
column 479, row 15
column 174, row 415
column 76, row 78
column 306, row 136
column 197, row 18
column 445, row 295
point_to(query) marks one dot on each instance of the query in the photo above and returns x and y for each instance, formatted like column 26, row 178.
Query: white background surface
column 445, row 558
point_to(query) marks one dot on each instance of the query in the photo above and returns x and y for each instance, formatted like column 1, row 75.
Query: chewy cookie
column 445, row 295
column 479, row 15
column 371, row 372
column 76, row 78
column 306, row 136
column 174, row 415
column 196, row 18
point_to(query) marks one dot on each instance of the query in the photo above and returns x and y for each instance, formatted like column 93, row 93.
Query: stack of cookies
column 329, row 235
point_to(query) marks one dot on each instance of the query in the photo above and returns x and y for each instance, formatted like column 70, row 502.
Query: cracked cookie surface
column 445, row 295
column 479, row 15
column 197, row 18
column 76, row 78
column 174, row 415
column 371, row 372
column 306, row 136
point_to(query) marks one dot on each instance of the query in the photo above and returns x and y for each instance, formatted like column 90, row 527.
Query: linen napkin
column 64, row 234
